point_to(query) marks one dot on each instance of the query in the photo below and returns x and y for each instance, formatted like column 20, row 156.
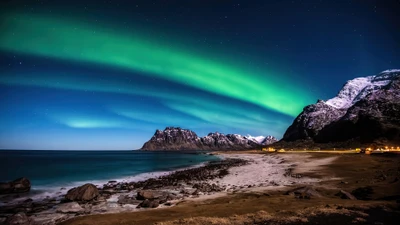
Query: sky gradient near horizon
column 104, row 75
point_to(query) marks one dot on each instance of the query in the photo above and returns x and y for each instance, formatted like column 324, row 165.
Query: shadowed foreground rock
column 143, row 195
column 85, row 192
column 69, row 207
column 19, row 219
column 304, row 192
column 149, row 204
column 19, row 185
column 345, row 195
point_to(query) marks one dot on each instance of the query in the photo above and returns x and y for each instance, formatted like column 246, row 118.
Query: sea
column 52, row 173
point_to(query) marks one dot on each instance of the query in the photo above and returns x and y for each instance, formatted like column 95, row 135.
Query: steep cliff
column 366, row 110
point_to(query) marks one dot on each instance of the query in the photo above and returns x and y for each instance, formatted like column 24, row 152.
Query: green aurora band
column 82, row 42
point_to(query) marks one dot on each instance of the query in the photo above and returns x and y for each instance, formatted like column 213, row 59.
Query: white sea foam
column 41, row 192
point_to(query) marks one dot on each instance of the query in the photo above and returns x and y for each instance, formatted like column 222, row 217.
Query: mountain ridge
column 176, row 138
column 366, row 110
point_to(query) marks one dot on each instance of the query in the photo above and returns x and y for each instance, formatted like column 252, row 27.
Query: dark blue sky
column 106, row 74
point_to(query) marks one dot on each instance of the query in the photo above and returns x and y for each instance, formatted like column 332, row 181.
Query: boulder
column 149, row 204
column 345, row 195
column 85, row 192
column 40, row 206
column 143, row 195
column 363, row 193
column 70, row 207
column 19, row 219
column 166, row 197
column 19, row 185
column 125, row 199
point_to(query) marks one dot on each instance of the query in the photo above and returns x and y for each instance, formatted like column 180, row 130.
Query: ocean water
column 49, row 171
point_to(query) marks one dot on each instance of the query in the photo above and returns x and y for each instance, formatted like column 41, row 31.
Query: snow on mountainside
column 257, row 139
column 176, row 138
column 366, row 109
column 268, row 140
column 261, row 139
column 356, row 89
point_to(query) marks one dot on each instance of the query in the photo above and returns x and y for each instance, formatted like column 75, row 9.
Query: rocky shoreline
column 116, row 196
column 234, row 173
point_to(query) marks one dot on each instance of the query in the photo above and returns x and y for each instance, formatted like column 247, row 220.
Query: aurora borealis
column 90, row 75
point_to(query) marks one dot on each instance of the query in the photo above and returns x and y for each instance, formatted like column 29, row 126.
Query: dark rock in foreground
column 19, row 185
column 19, row 219
column 69, row 207
column 304, row 192
column 125, row 199
column 363, row 193
column 85, row 192
column 345, row 195
column 143, row 195
column 149, row 204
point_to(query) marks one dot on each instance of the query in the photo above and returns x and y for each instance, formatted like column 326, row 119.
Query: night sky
column 106, row 74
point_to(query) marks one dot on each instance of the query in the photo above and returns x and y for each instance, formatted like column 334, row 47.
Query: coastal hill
column 365, row 111
column 176, row 138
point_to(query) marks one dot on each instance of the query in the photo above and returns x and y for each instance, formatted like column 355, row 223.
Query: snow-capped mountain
column 366, row 109
column 262, row 140
column 257, row 139
column 356, row 89
column 176, row 138
column 268, row 140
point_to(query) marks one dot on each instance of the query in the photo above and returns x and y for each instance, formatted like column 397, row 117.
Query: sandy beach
column 251, row 185
column 251, row 198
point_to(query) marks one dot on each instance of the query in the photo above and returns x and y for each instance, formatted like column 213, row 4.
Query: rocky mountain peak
column 358, row 88
column 387, row 75
column 366, row 108
column 176, row 138
column 268, row 140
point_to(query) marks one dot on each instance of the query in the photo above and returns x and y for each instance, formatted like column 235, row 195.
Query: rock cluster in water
column 85, row 192
column 19, row 185
column 89, row 199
